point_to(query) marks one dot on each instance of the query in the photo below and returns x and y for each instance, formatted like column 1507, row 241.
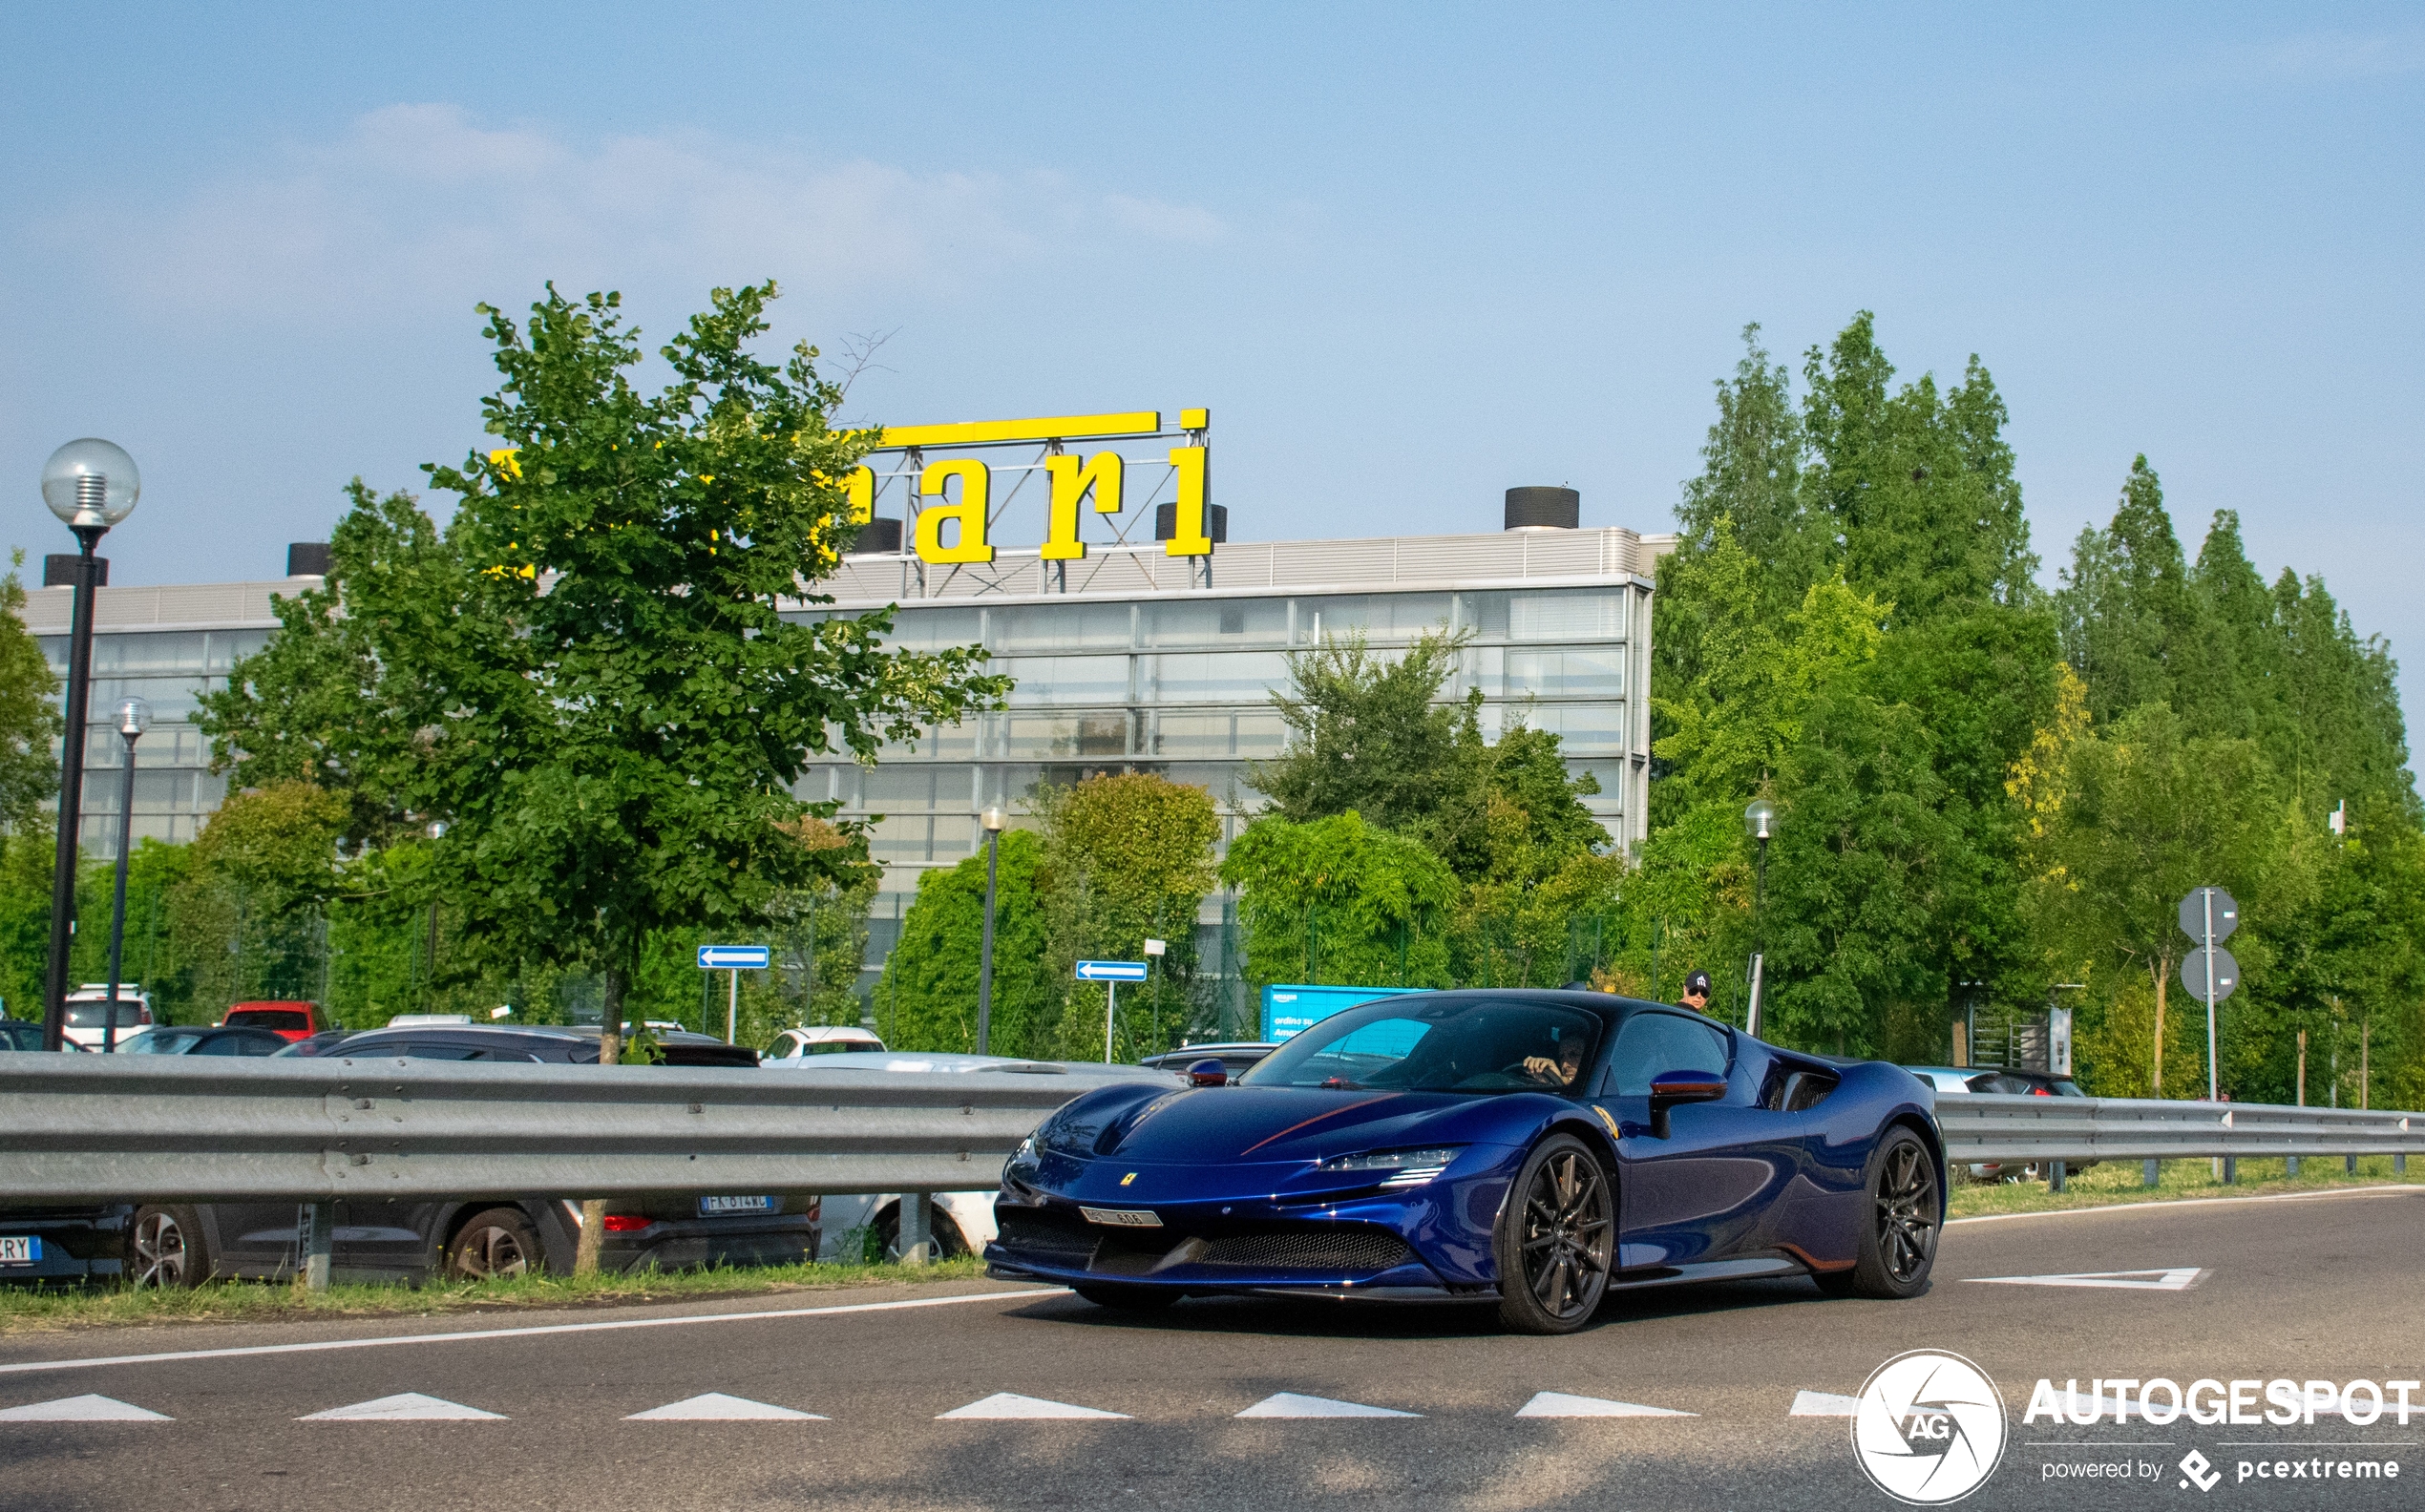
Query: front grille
column 1341, row 1250
column 1047, row 1239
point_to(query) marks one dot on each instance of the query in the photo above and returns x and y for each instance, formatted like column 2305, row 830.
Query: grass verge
column 2114, row 1182
column 25, row 1310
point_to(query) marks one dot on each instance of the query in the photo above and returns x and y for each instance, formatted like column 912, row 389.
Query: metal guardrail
column 74, row 1128
column 79, row 1129
column 2006, row 1128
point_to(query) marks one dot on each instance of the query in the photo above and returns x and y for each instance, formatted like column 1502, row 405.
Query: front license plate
column 19, row 1248
column 1123, row 1217
column 719, row 1206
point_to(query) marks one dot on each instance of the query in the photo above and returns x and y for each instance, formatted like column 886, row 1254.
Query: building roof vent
column 310, row 559
column 1544, row 509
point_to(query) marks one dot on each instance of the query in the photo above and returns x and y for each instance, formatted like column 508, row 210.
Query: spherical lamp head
column 134, row 718
column 1760, row 820
column 994, row 819
column 90, row 484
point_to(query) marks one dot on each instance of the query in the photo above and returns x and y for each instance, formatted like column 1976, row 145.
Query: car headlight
column 1402, row 1167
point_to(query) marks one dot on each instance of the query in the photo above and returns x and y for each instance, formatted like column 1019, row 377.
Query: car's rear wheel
column 946, row 1241
column 164, row 1249
column 494, row 1242
column 1128, row 1299
column 1896, row 1247
column 1556, row 1239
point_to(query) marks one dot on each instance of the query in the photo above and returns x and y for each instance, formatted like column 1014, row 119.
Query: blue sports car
column 1535, row 1149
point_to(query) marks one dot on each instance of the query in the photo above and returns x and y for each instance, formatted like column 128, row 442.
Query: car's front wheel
column 1899, row 1222
column 1556, row 1239
column 166, row 1249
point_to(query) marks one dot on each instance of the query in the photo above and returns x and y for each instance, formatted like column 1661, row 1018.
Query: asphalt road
column 2312, row 1288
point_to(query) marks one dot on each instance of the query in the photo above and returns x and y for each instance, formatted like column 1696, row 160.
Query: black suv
column 413, row 1240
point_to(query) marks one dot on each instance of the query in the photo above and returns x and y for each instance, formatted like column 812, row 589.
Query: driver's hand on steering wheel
column 1541, row 1068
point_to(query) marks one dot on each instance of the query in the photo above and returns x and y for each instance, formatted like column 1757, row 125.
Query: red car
column 288, row 1020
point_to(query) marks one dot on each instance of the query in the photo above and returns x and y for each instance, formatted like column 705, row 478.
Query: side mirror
column 1207, row 1072
column 1669, row 1088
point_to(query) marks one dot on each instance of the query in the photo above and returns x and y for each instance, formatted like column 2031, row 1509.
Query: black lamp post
column 90, row 485
column 1760, row 821
column 993, row 820
column 134, row 718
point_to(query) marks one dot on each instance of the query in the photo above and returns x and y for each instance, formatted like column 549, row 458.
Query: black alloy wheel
column 1556, row 1239
column 1899, row 1222
column 164, row 1249
column 495, row 1242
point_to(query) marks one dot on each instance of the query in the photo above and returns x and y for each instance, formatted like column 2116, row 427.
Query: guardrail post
column 2399, row 1164
column 2230, row 1170
column 2349, row 1164
column 2053, row 1175
column 2290, row 1165
column 315, row 1234
column 2150, row 1172
column 917, row 1228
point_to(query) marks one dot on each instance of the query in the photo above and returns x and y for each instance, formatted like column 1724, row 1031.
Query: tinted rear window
column 96, row 1015
column 269, row 1019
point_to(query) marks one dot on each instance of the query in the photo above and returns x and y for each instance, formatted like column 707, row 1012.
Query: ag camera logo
column 1929, row 1428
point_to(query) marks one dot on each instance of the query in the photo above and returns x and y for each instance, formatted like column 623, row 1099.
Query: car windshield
column 1422, row 1044
column 160, row 1041
column 15, row 1034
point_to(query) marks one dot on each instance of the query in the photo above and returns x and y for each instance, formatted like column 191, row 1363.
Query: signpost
column 736, row 959
column 2208, row 916
column 1111, row 974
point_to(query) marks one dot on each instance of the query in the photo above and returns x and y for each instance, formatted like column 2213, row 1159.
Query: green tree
column 30, row 720
column 1340, row 900
column 246, row 916
column 589, row 677
column 927, row 999
column 1367, row 731
column 1127, row 858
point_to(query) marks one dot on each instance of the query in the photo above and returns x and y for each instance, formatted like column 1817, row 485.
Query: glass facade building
column 1124, row 660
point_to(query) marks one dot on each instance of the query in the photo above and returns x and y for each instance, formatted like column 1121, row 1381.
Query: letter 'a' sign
column 950, row 503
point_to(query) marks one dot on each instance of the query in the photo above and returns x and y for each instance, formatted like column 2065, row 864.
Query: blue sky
column 1409, row 255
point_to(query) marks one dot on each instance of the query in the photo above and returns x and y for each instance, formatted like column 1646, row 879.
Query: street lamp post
column 1760, row 821
column 993, row 820
column 90, row 485
column 134, row 718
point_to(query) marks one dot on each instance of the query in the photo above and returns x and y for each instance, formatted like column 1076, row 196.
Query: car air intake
column 1333, row 1251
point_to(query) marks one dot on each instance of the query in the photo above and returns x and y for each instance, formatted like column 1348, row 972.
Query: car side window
column 1653, row 1043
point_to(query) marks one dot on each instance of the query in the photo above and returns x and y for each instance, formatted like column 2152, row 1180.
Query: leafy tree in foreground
column 1338, row 900
column 1127, row 858
column 587, row 676
column 30, row 718
column 927, row 999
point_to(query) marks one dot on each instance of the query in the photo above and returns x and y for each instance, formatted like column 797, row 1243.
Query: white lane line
column 2111, row 1209
column 717, row 1407
column 1290, row 1404
column 1823, row 1404
column 87, row 1408
column 2180, row 1278
column 404, row 1407
column 534, row 1331
column 1559, row 1404
column 1010, row 1404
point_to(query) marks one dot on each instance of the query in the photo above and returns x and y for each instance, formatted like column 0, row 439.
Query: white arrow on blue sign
column 735, row 957
column 1111, row 971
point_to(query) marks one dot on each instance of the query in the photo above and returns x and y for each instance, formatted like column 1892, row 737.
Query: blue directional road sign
column 735, row 957
column 1111, row 971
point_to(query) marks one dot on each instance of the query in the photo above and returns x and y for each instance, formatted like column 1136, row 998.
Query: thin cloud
column 2326, row 56
column 422, row 207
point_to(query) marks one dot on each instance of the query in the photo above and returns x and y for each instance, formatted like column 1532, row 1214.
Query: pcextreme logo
column 1929, row 1428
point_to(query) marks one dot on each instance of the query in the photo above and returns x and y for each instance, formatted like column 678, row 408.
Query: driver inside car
column 1561, row 1069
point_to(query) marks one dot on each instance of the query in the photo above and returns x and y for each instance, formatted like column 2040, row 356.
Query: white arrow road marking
column 1558, row 1404
column 1289, row 1404
column 1010, row 1404
column 87, row 1408
column 717, row 1407
column 2180, row 1278
column 1823, row 1404
column 404, row 1407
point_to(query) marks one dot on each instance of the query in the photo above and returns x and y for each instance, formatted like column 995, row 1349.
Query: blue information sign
column 1111, row 971
column 735, row 957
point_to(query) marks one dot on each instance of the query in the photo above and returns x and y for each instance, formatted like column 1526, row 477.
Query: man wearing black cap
column 1695, row 991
